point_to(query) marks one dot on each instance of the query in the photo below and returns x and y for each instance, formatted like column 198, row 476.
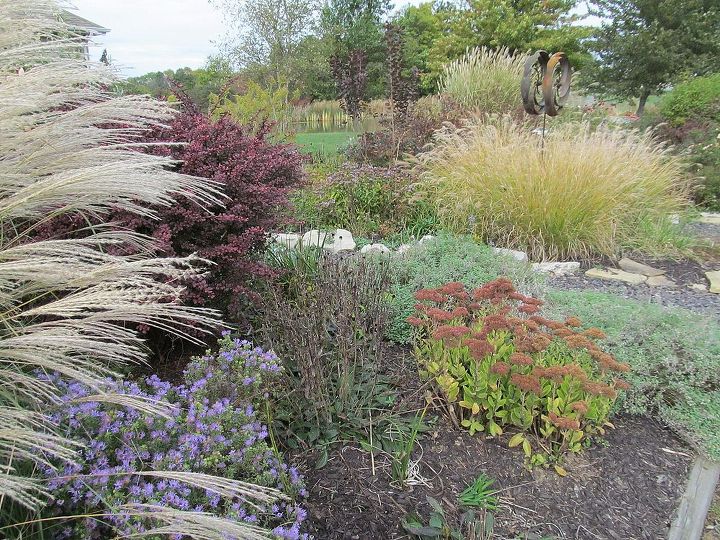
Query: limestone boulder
column 635, row 267
column 617, row 275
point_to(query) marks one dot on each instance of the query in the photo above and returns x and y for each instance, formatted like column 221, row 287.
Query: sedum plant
column 71, row 306
column 497, row 365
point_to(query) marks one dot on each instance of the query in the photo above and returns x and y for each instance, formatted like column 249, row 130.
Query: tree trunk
column 643, row 100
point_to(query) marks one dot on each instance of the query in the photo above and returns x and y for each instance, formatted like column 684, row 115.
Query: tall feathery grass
column 72, row 306
column 587, row 193
column 485, row 80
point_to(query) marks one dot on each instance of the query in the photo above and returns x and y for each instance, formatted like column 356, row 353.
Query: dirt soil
column 627, row 487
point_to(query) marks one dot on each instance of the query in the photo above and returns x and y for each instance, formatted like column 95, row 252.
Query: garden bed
column 628, row 487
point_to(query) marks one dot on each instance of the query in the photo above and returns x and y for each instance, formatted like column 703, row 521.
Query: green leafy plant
column 366, row 200
column 480, row 494
column 296, row 267
column 403, row 448
column 439, row 526
column 699, row 96
column 496, row 365
column 674, row 355
column 583, row 193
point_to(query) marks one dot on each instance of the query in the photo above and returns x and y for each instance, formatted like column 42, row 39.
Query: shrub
column 255, row 175
column 367, row 201
column 329, row 334
column 213, row 428
column 485, row 80
column 674, row 355
column 398, row 139
column 697, row 97
column 693, row 111
column 448, row 258
column 585, row 193
column 495, row 364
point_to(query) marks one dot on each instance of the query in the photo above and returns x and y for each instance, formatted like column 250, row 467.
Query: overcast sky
column 155, row 35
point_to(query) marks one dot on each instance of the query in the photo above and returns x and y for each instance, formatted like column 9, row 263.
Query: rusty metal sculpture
column 545, row 85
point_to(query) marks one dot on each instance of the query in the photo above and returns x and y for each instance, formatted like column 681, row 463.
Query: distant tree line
column 640, row 48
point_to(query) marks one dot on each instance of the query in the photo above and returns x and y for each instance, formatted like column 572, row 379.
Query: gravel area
column 684, row 273
column 701, row 302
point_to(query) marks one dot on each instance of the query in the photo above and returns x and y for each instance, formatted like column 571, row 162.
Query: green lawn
column 324, row 143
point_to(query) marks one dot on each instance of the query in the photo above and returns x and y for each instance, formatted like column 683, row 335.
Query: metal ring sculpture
column 531, row 85
column 545, row 85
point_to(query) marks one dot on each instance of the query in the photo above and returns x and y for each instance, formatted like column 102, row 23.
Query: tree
column 265, row 37
column 350, row 26
column 439, row 32
column 643, row 46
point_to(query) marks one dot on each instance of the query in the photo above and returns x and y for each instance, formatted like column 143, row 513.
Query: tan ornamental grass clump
column 72, row 306
column 485, row 80
column 586, row 193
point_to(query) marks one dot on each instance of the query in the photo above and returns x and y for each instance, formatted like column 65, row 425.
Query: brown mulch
column 626, row 487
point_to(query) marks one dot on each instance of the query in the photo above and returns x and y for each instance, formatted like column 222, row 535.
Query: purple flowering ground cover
column 214, row 428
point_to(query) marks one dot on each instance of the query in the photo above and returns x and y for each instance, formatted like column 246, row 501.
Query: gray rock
column 289, row 240
column 515, row 254
column 660, row 281
column 709, row 217
column 318, row 238
column 381, row 249
column 635, row 267
column 617, row 275
column 714, row 279
column 426, row 238
column 556, row 268
column 343, row 241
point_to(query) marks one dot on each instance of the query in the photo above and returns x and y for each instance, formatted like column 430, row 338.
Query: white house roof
column 80, row 23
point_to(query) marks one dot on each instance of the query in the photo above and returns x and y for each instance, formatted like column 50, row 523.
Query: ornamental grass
column 68, row 147
column 584, row 193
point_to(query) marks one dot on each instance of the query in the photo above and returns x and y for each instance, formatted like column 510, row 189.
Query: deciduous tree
column 643, row 46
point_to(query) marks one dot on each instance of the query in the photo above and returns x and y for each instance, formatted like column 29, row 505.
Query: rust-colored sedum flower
column 498, row 289
column 495, row 322
column 608, row 362
column 500, row 368
column 594, row 333
column 622, row 385
column 577, row 341
column 459, row 312
column 563, row 422
column 479, row 348
column 599, row 389
column 520, row 359
column 527, row 383
column 528, row 309
column 452, row 332
column 415, row 321
column 453, row 287
column 431, row 295
column 439, row 315
column 580, row 407
column 563, row 332
column 573, row 321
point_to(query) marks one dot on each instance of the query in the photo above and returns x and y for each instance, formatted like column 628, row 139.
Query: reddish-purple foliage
column 253, row 172
column 256, row 175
